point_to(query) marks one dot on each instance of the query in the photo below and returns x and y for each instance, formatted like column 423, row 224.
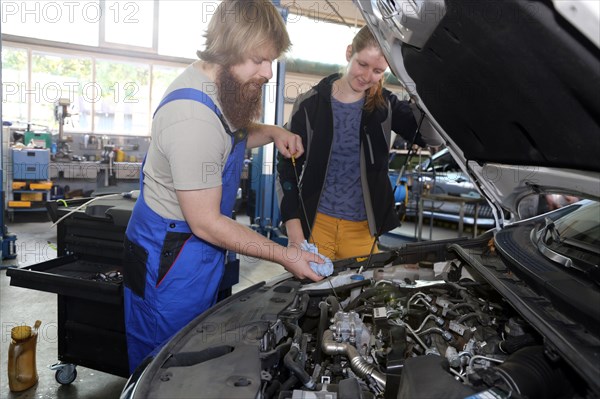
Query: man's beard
column 241, row 101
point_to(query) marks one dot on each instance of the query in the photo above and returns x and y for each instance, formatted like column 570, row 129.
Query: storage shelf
column 29, row 167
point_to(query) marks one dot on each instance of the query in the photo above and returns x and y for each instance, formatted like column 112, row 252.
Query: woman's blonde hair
column 239, row 27
column 365, row 39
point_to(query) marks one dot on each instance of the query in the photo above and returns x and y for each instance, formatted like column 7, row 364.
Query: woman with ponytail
column 337, row 195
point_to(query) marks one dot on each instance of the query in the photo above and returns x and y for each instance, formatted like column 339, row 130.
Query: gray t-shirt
column 189, row 147
column 342, row 195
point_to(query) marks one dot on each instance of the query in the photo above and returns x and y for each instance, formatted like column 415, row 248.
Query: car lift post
column 7, row 241
column 263, row 177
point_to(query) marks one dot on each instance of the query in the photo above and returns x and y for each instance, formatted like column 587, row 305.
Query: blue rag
column 322, row 269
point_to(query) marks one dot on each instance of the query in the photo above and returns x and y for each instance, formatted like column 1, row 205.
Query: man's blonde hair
column 240, row 27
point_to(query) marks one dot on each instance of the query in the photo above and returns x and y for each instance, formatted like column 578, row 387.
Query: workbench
column 88, row 171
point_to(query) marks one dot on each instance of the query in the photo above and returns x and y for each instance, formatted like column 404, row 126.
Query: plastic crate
column 42, row 140
column 30, row 164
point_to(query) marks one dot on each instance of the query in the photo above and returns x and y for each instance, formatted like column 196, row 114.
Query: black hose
column 274, row 388
column 366, row 294
column 463, row 305
column 304, row 303
column 289, row 383
column 279, row 350
column 291, row 358
column 300, row 310
column 323, row 321
column 468, row 316
column 331, row 305
column 290, row 362
column 297, row 331
column 334, row 303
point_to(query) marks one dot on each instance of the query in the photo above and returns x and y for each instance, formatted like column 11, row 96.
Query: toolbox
column 38, row 139
column 87, row 277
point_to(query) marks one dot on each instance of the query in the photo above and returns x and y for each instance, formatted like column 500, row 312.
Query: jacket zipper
column 370, row 147
column 370, row 214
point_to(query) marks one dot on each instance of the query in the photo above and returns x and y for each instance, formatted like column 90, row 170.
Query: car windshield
column 573, row 240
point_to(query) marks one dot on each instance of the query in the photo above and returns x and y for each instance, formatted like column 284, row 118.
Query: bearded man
column 181, row 224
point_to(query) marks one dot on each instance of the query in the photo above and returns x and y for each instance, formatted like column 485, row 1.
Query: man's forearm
column 260, row 134
column 228, row 234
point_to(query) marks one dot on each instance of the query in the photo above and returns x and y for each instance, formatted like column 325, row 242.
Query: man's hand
column 298, row 263
column 322, row 269
column 287, row 143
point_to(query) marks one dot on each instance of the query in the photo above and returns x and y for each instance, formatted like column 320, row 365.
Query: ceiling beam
column 339, row 11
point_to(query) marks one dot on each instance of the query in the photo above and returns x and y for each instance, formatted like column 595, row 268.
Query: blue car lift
column 8, row 248
column 263, row 176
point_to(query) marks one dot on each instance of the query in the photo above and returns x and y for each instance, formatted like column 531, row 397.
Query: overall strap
column 189, row 93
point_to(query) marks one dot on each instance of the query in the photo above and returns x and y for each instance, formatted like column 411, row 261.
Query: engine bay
column 430, row 320
column 386, row 335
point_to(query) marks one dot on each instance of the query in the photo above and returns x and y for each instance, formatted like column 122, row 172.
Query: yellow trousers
column 339, row 238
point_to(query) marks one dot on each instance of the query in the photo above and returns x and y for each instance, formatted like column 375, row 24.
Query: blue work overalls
column 170, row 275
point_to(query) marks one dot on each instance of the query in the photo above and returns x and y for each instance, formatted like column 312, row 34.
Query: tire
column 62, row 377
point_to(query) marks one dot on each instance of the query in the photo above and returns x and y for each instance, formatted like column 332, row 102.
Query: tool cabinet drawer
column 73, row 276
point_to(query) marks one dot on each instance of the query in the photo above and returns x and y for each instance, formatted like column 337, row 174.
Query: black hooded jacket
column 312, row 119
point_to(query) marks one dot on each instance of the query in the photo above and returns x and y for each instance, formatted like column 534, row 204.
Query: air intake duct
column 533, row 375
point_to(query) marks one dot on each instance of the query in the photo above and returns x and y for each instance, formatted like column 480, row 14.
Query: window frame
column 102, row 42
column 30, row 46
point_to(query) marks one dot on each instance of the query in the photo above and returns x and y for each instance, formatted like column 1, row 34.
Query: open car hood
column 510, row 85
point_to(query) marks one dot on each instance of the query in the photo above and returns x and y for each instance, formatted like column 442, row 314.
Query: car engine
column 407, row 331
column 454, row 319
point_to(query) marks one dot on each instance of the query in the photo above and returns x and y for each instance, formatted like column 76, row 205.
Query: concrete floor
column 36, row 242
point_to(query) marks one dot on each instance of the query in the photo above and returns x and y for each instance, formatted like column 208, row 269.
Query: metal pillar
column 7, row 241
column 263, row 173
